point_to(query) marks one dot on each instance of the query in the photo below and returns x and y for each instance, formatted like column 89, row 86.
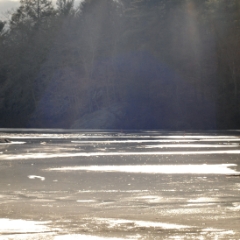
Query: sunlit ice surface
column 157, row 169
column 195, row 198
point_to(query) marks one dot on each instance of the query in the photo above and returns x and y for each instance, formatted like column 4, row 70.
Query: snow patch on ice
column 203, row 200
column 156, row 169
column 14, row 142
column 136, row 141
column 36, row 177
column 218, row 231
column 95, row 154
column 86, row 201
column 200, row 136
column 112, row 223
column 112, row 191
column 150, row 199
column 236, row 206
column 22, row 226
column 191, row 146
column 87, row 237
column 31, row 236
column 200, row 204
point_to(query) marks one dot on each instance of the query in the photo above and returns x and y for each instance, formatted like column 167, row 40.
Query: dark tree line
column 165, row 64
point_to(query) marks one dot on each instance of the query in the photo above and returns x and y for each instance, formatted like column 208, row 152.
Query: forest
column 121, row 64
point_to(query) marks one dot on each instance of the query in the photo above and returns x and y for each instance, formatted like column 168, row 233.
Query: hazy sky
column 8, row 5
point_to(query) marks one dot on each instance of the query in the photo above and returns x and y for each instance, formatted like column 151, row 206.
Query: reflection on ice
column 161, row 169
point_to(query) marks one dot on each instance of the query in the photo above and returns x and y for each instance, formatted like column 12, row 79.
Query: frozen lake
column 57, row 184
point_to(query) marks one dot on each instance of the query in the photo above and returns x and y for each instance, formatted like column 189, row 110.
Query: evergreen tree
column 65, row 7
column 2, row 24
column 33, row 12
